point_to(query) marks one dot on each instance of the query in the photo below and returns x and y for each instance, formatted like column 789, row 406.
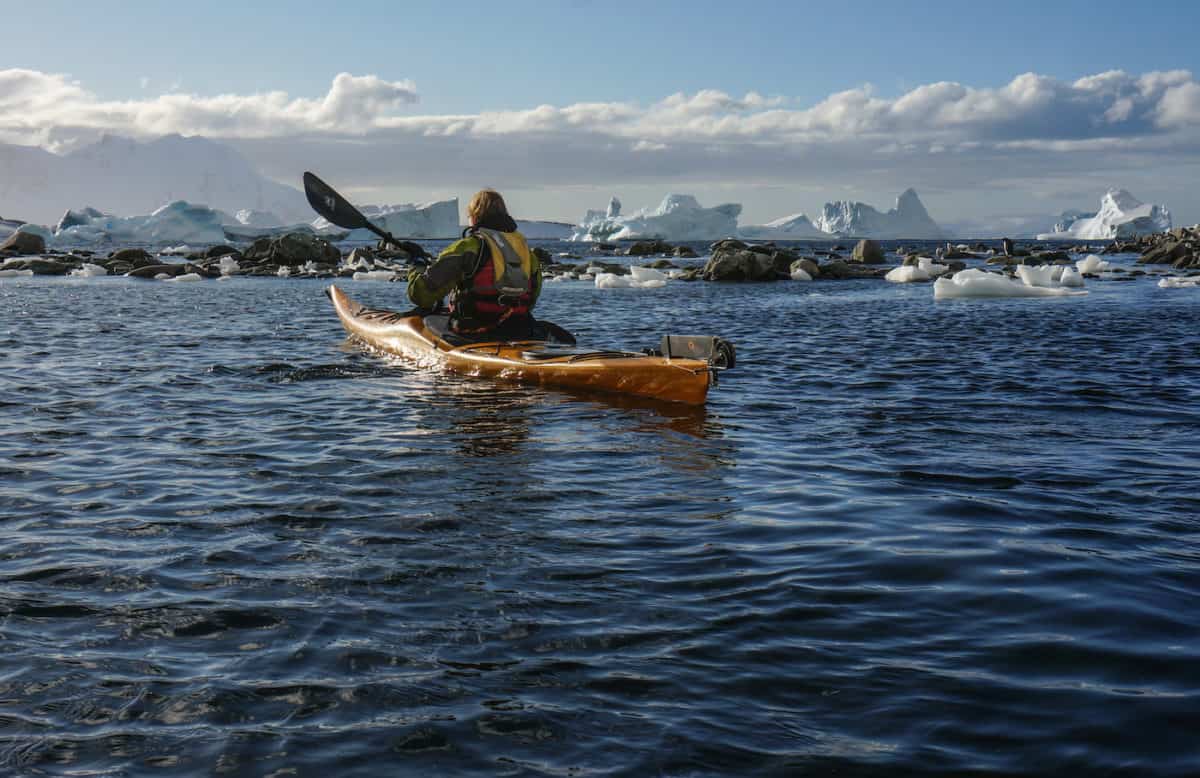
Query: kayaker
column 491, row 276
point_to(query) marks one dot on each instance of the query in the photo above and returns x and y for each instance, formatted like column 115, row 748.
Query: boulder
column 662, row 264
column 46, row 267
column 740, row 265
column 150, row 271
column 645, row 248
column 807, row 265
column 134, row 257
column 216, row 252
column 684, row 252
column 1166, row 253
column 293, row 249
column 543, row 256
column 23, row 243
column 728, row 243
column 840, row 270
column 869, row 252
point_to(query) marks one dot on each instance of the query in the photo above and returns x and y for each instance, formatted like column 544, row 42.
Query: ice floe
column 185, row 278
column 638, row 278
column 925, row 270
column 374, row 275
column 1179, row 282
column 978, row 283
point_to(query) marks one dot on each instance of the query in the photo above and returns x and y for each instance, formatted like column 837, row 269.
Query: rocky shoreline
column 301, row 255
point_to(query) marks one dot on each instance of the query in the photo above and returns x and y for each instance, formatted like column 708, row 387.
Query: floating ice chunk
column 586, row 276
column 15, row 273
column 184, row 277
column 88, row 270
column 374, row 275
column 228, row 266
column 1179, row 282
column 1092, row 264
column 594, row 269
column 162, row 277
column 925, row 270
column 178, row 251
column 1040, row 276
column 644, row 274
column 799, row 274
column 614, row 281
column 225, row 278
column 977, row 283
column 1071, row 278
column 675, row 273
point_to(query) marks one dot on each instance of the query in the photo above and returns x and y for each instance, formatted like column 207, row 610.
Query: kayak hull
column 529, row 362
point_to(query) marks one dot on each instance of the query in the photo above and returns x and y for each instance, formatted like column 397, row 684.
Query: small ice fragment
column 799, row 274
column 1179, row 282
column 644, row 274
column 284, row 271
column 88, row 270
column 374, row 275
column 1092, row 264
column 185, row 277
column 977, row 283
column 1039, row 276
column 228, row 266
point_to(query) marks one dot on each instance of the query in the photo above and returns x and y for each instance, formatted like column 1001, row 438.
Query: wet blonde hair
column 486, row 203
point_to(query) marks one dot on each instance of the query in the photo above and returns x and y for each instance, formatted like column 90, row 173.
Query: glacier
column 851, row 219
column 678, row 217
column 1121, row 215
column 404, row 220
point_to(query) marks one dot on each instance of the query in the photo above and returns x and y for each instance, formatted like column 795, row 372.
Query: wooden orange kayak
column 425, row 341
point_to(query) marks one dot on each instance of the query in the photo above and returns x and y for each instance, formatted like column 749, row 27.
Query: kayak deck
column 538, row 362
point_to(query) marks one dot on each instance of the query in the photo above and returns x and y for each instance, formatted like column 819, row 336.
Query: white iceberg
column 1121, row 215
column 925, row 270
column 405, row 220
column 795, row 227
column 177, row 222
column 978, row 283
column 678, row 217
column 249, row 217
column 544, row 230
column 908, row 219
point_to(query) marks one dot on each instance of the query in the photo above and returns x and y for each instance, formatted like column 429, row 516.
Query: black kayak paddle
column 326, row 201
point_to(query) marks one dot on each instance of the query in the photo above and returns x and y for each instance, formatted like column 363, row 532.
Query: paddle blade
column 327, row 202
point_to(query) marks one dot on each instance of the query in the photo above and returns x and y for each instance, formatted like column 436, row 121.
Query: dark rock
column 807, row 265
column 292, row 250
column 663, row 264
column 684, row 252
column 542, row 255
column 150, row 271
column 956, row 254
column 1050, row 258
column 645, row 248
column 216, row 252
column 47, row 267
column 727, row 244
column 869, row 252
column 407, row 247
column 605, row 247
column 136, row 257
column 731, row 264
column 24, row 244
column 1168, row 252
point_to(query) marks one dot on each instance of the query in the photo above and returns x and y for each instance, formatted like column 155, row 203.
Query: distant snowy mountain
column 544, row 230
column 1121, row 215
column 128, row 177
column 678, row 217
column 908, row 219
column 795, row 227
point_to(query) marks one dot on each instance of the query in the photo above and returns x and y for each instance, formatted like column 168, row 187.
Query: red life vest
column 503, row 285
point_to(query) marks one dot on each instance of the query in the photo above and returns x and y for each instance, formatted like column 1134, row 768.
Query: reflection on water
column 901, row 538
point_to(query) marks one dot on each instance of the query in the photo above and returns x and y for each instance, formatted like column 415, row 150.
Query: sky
column 1008, row 111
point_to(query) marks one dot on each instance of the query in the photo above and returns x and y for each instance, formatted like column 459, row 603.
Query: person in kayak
column 491, row 276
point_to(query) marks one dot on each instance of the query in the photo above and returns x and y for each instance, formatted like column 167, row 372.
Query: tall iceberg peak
column 1121, row 215
column 908, row 219
column 678, row 217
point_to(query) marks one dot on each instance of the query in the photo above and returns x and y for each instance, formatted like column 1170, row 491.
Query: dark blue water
column 904, row 537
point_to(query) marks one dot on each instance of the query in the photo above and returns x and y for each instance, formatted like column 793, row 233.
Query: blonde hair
column 486, row 203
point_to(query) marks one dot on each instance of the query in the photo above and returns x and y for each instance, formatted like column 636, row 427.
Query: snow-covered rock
column 678, row 217
column 908, row 219
column 978, row 283
column 177, row 222
column 405, row 220
column 1121, row 215
column 795, row 227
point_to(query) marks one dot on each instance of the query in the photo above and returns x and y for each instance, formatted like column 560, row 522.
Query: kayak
column 681, row 371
